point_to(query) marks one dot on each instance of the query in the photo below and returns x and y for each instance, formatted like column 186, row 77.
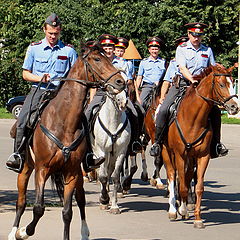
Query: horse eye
column 222, row 85
column 97, row 59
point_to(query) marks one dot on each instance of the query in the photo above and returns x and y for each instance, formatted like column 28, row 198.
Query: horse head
column 99, row 69
column 119, row 101
column 222, row 86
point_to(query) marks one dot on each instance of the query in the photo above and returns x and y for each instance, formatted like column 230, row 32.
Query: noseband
column 221, row 101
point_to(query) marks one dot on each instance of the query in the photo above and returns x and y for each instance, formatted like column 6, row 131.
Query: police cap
column 107, row 39
column 154, row 42
column 122, row 43
column 181, row 40
column 53, row 20
column 196, row 29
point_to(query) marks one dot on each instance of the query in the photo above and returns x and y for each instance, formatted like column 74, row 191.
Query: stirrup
column 138, row 147
column 15, row 155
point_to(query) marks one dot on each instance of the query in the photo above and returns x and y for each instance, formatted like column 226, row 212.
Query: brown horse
column 149, row 123
column 189, row 137
column 63, row 119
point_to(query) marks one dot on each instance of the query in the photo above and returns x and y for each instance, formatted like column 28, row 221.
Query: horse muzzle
column 115, row 87
column 232, row 108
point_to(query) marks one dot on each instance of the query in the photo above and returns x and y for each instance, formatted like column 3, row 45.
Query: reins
column 221, row 100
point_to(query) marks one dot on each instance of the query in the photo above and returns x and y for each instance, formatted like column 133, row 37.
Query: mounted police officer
column 109, row 43
column 191, row 57
column 45, row 61
column 51, row 58
column 151, row 71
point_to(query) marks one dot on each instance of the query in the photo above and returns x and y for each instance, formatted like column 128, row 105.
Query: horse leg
column 38, row 208
column 172, row 212
column 202, row 164
column 183, row 187
column 81, row 202
column 116, row 182
column 144, row 174
column 156, row 179
column 103, row 179
column 191, row 194
column 126, row 184
column 22, row 183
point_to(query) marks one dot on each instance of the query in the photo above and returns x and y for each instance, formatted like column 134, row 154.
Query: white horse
column 110, row 138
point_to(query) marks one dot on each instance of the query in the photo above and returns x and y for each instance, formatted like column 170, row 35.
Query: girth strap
column 113, row 136
column 65, row 150
column 190, row 145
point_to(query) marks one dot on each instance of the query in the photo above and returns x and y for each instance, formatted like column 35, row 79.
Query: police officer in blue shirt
column 191, row 57
column 151, row 71
column 45, row 61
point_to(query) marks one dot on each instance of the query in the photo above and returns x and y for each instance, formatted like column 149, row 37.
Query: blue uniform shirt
column 151, row 70
column 57, row 61
column 171, row 71
column 194, row 60
column 122, row 64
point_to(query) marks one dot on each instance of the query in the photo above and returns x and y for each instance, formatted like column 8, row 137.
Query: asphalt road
column 143, row 211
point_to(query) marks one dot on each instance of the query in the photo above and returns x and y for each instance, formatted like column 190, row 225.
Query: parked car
column 14, row 105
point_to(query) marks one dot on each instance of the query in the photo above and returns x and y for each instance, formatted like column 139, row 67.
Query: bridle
column 99, row 81
column 221, row 101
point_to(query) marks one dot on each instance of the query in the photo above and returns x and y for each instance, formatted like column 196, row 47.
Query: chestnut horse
column 59, row 145
column 188, row 140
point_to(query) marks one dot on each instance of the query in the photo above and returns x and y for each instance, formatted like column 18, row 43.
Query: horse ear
column 234, row 66
column 83, row 48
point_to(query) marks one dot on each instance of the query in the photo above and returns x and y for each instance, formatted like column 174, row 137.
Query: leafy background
column 21, row 23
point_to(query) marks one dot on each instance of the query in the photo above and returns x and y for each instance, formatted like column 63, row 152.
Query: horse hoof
column 120, row 195
column 125, row 192
column 104, row 206
column 21, row 234
column 86, row 179
column 160, row 186
column 190, row 206
column 186, row 216
column 172, row 216
column 115, row 211
column 144, row 177
column 153, row 182
column 199, row 224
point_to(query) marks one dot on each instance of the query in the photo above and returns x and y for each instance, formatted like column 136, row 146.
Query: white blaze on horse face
column 121, row 100
column 231, row 89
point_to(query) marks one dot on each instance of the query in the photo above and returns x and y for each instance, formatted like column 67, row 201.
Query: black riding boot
column 156, row 147
column 16, row 160
column 91, row 162
column 135, row 141
column 217, row 148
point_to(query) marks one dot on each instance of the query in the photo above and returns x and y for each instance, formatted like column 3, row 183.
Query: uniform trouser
column 30, row 104
column 97, row 99
column 161, row 120
column 145, row 93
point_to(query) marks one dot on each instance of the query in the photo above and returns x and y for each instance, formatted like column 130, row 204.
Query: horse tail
column 58, row 181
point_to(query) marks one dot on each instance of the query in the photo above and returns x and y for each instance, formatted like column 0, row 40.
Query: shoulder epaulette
column 183, row 44
column 145, row 59
column 35, row 43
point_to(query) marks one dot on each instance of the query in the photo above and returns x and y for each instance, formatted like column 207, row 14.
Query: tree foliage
column 21, row 23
